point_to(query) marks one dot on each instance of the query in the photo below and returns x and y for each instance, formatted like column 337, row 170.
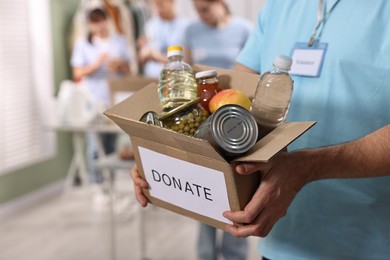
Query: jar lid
column 206, row 73
column 178, row 109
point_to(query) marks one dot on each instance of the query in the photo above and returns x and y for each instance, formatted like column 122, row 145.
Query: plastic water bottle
column 177, row 84
column 273, row 94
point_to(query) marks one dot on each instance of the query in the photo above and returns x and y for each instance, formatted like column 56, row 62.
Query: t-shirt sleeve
column 250, row 54
column 78, row 57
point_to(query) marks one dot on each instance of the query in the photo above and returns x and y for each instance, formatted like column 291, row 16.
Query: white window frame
column 42, row 77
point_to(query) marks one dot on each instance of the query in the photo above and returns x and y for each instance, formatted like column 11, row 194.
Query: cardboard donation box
column 187, row 175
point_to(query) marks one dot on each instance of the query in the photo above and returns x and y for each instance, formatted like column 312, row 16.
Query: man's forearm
column 365, row 157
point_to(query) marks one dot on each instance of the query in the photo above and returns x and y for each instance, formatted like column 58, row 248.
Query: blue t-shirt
column 217, row 47
column 161, row 34
column 336, row 218
column 85, row 53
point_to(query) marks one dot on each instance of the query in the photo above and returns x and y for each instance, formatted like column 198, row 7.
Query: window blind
column 23, row 140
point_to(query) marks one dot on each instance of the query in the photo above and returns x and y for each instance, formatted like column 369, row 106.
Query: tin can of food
column 151, row 118
column 232, row 130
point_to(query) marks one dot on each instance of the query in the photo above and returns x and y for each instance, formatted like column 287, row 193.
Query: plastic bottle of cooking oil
column 177, row 84
column 273, row 94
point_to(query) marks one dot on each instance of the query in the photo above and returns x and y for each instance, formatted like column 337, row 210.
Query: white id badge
column 307, row 61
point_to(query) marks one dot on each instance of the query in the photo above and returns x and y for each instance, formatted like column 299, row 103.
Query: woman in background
column 100, row 56
column 216, row 40
column 218, row 37
column 161, row 31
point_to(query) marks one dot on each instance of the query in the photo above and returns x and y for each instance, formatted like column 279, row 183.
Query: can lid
column 234, row 129
column 174, row 50
column 206, row 73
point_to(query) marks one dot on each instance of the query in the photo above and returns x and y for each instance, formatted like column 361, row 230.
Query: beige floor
column 74, row 227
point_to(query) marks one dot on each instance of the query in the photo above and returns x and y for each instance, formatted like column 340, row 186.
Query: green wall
column 28, row 179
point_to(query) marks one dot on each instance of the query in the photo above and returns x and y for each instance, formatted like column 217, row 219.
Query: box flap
column 275, row 141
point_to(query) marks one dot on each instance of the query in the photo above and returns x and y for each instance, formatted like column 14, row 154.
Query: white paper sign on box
column 193, row 187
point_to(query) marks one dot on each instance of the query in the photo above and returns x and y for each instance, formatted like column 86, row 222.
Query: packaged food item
column 177, row 84
column 186, row 118
column 151, row 118
column 231, row 130
column 208, row 86
column 273, row 94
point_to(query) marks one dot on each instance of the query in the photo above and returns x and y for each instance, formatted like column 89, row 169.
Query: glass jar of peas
column 185, row 119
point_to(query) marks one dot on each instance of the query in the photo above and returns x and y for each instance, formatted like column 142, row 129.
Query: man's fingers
column 242, row 231
column 139, row 195
column 255, row 206
column 261, row 227
column 245, row 216
column 237, row 216
column 249, row 168
column 139, row 185
column 138, row 181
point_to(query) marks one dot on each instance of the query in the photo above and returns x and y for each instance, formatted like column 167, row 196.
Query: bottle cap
column 174, row 50
column 283, row 62
column 206, row 73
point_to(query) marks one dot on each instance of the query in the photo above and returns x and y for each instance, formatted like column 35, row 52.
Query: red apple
column 229, row 96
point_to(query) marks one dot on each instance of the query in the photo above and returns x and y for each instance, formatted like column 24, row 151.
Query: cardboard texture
column 239, row 188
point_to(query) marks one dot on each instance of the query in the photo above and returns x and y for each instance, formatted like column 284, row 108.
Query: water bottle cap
column 206, row 73
column 174, row 50
column 283, row 62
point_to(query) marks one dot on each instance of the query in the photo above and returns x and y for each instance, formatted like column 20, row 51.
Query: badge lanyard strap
column 321, row 19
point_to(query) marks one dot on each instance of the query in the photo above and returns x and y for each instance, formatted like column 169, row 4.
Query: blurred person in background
column 100, row 56
column 216, row 39
column 161, row 31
